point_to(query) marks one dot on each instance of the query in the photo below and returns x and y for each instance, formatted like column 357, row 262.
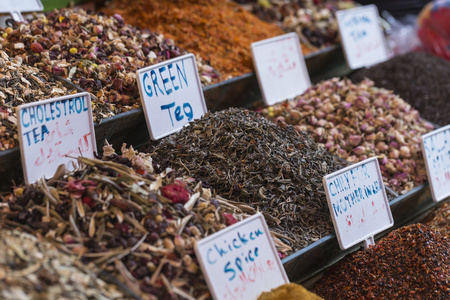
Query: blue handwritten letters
column 231, row 256
column 34, row 119
column 240, row 262
column 357, row 201
column 171, row 95
column 54, row 130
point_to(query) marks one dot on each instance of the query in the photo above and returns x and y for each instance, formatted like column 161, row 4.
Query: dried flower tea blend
column 98, row 53
column 358, row 121
column 21, row 84
column 244, row 157
column 314, row 21
column 120, row 216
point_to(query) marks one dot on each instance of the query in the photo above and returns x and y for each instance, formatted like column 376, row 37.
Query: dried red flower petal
column 176, row 193
column 229, row 219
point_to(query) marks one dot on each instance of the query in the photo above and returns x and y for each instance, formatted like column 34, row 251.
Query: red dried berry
column 175, row 193
column 229, row 219
column 36, row 47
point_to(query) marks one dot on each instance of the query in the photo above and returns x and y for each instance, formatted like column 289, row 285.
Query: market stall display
column 314, row 21
column 244, row 157
column 219, row 31
column 21, row 84
column 411, row 262
column 98, row 53
column 32, row 268
column 358, row 121
column 421, row 79
column 125, row 219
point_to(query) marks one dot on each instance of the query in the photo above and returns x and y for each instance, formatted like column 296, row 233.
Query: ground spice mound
column 220, row 31
column 289, row 291
column 246, row 158
column 440, row 220
column 419, row 78
column 412, row 262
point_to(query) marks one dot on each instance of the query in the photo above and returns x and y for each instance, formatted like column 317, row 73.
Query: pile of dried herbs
column 439, row 220
column 418, row 77
column 32, row 268
column 21, row 84
column 314, row 21
column 219, row 31
column 100, row 54
column 120, row 216
column 247, row 158
column 412, row 262
column 358, row 121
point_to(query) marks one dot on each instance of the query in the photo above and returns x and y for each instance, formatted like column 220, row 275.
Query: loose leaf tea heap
column 219, row 31
column 21, row 84
column 358, row 121
column 100, row 54
column 419, row 78
column 244, row 157
column 412, row 262
column 132, row 223
column 31, row 268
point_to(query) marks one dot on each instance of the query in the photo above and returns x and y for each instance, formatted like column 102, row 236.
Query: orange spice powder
column 219, row 31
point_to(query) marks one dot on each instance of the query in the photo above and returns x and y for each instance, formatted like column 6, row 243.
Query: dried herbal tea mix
column 314, row 21
column 21, row 84
column 100, row 54
column 121, row 217
column 219, row 31
column 412, row 262
column 418, row 77
column 358, row 121
column 439, row 220
column 32, row 268
column 245, row 157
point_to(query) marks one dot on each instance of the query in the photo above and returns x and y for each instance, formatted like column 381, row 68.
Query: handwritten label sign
column 436, row 149
column 171, row 95
column 358, row 203
column 15, row 8
column 361, row 35
column 53, row 129
column 240, row 262
column 280, row 68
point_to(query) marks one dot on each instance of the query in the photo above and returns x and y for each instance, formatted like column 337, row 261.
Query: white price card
column 280, row 68
column 171, row 95
column 15, row 8
column 53, row 129
column 358, row 203
column 241, row 262
column 361, row 36
column 436, row 150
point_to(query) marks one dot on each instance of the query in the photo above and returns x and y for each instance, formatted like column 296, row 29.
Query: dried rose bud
column 404, row 151
column 354, row 140
column 359, row 150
